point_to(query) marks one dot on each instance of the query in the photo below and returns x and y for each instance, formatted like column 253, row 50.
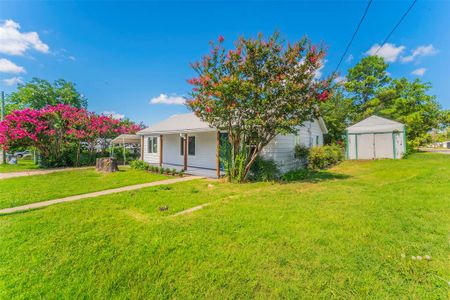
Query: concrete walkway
column 39, row 172
column 96, row 194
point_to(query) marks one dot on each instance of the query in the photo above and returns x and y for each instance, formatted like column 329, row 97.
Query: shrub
column 294, row 175
column 139, row 165
column 161, row 170
column 322, row 157
column 167, row 171
column 174, row 172
column 264, row 170
column 181, row 173
column 301, row 152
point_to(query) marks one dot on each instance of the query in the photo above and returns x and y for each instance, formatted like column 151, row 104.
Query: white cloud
column 389, row 52
column 71, row 57
column 14, row 42
column 318, row 72
column 7, row 66
column 349, row 58
column 419, row 72
column 419, row 51
column 113, row 115
column 13, row 81
column 165, row 99
column 340, row 79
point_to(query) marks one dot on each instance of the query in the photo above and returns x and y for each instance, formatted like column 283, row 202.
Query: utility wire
column 395, row 27
column 354, row 35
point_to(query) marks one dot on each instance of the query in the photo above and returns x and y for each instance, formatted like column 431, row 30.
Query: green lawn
column 22, row 165
column 23, row 190
column 339, row 236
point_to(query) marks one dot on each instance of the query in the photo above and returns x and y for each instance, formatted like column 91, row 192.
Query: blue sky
column 123, row 54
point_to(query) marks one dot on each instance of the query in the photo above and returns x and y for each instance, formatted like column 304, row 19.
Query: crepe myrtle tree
column 260, row 88
column 57, row 130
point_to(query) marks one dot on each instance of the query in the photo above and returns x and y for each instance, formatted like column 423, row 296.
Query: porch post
column 218, row 154
column 185, row 151
column 161, row 150
column 142, row 147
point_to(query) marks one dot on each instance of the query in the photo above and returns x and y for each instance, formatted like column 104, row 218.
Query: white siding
column 171, row 150
column 152, row 158
column 205, row 150
column 373, row 146
column 281, row 148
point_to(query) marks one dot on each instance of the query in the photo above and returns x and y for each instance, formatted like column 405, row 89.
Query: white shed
column 376, row 137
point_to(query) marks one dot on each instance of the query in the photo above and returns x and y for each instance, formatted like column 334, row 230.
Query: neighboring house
column 376, row 137
column 445, row 144
column 165, row 144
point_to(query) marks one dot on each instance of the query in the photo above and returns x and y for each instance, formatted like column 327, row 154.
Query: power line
column 395, row 27
column 354, row 35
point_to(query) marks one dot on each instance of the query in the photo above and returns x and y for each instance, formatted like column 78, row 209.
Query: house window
column 181, row 146
column 191, row 145
column 317, row 140
column 152, row 145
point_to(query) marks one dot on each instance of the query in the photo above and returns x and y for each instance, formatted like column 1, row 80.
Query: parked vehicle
column 22, row 154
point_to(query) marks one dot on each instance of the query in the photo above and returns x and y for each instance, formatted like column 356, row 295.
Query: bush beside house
column 142, row 165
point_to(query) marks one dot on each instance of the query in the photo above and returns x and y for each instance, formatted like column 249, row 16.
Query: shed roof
column 127, row 139
column 182, row 123
column 375, row 124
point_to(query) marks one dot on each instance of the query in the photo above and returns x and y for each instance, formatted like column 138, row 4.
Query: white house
column 376, row 137
column 165, row 144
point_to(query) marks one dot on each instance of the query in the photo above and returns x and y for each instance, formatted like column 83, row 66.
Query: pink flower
column 221, row 39
column 324, row 95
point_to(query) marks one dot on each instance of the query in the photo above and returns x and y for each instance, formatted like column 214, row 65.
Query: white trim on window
column 152, row 144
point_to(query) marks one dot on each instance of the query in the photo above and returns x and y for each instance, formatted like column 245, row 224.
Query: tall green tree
column 365, row 79
column 369, row 90
column 410, row 102
column 338, row 113
column 39, row 93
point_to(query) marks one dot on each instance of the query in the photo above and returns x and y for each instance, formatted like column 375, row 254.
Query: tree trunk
column 250, row 163
column 78, row 155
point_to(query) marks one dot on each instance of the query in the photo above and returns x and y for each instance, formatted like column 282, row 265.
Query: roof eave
column 177, row 131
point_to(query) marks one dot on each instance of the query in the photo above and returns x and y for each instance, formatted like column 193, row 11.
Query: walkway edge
column 96, row 194
column 40, row 172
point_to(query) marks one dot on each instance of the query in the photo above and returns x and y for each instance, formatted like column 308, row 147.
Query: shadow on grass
column 311, row 176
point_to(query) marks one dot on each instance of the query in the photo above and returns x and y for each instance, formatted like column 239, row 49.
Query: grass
column 24, row 190
column 22, row 165
column 341, row 236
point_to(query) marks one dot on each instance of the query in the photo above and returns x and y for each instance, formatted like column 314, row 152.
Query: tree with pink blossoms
column 256, row 90
column 57, row 132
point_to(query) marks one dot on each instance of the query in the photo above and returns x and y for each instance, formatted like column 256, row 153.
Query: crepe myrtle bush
column 257, row 89
column 58, row 131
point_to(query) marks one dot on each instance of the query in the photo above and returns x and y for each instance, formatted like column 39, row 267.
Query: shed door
column 398, row 137
column 366, row 146
column 383, row 145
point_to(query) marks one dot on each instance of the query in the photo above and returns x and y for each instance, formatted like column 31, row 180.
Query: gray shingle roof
column 375, row 124
column 182, row 123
